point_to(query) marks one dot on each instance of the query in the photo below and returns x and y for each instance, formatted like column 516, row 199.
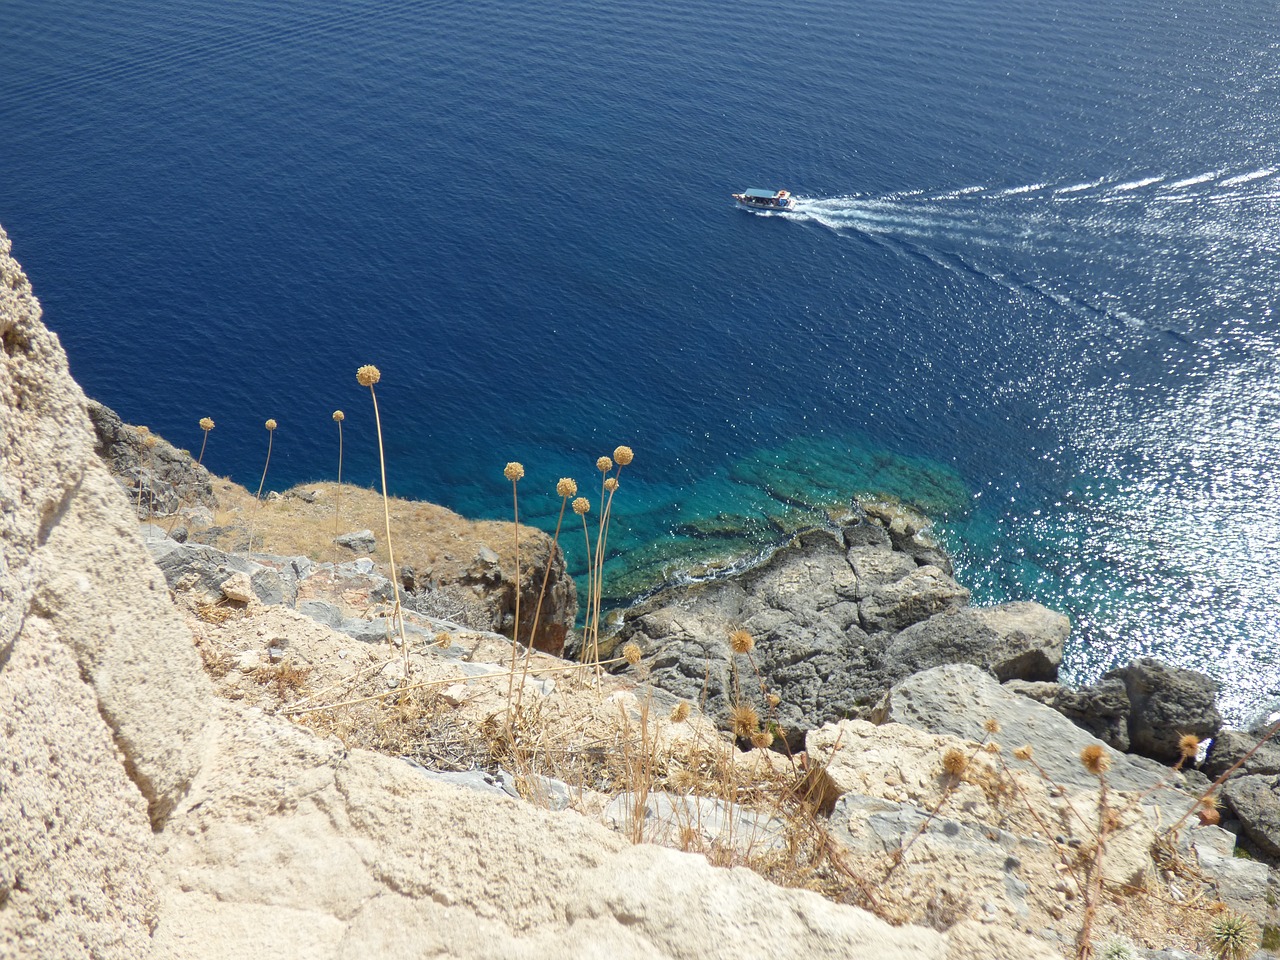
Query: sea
column 1029, row 285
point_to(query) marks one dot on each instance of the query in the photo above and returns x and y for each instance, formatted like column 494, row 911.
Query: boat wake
column 1111, row 248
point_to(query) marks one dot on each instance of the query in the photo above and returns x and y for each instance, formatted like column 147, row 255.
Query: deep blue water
column 1030, row 284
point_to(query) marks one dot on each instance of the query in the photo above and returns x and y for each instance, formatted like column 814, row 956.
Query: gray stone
column 1013, row 641
column 1232, row 746
column 1241, row 883
column 1102, row 709
column 959, row 699
column 918, row 596
column 1255, row 800
column 199, row 566
column 1167, row 702
column 695, row 823
column 359, row 541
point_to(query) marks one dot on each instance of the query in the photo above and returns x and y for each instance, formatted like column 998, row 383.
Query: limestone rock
column 1102, row 708
column 359, row 541
column 1229, row 746
column 170, row 478
column 917, row 596
column 238, row 587
column 1255, row 800
column 959, row 699
column 1013, row 640
column 1165, row 703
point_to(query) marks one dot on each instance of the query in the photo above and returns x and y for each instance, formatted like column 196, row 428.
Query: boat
column 769, row 200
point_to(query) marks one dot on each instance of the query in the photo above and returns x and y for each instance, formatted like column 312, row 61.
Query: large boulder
column 961, row 699
column 1255, row 800
column 1230, row 747
column 1014, row 641
column 1167, row 702
column 1102, row 708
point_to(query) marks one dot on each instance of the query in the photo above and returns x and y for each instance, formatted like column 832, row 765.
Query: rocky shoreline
column 219, row 752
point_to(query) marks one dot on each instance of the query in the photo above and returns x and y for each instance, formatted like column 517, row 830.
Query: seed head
column 1023, row 752
column 991, row 725
column 443, row 639
column 604, row 464
column 1095, row 759
column 1188, row 745
column 773, row 699
column 513, row 471
column 680, row 712
column 270, row 424
column 622, row 456
column 566, row 487
column 741, row 641
column 611, row 484
column 762, row 739
column 745, row 720
column 631, row 653
column 206, row 424
column 339, row 416
column 1232, row 936
column 991, row 746
column 368, row 375
column 955, row 762
column 581, row 505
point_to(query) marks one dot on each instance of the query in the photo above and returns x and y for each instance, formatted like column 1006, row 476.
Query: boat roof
column 762, row 194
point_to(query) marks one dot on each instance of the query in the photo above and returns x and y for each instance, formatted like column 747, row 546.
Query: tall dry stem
column 257, row 497
column 206, row 424
column 368, row 376
column 338, row 417
column 513, row 472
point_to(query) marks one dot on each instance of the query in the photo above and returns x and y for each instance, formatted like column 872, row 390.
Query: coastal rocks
column 1101, row 709
column 157, row 476
column 359, row 541
column 1165, row 703
column 960, row 699
column 1232, row 746
column 194, row 566
column 1255, row 800
column 836, row 619
column 1014, row 640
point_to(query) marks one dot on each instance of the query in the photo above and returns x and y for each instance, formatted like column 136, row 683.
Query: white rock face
column 142, row 817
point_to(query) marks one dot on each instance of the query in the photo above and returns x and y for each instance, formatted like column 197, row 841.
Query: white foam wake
column 1247, row 177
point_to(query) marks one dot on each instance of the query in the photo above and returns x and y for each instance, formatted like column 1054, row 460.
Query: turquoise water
column 1029, row 284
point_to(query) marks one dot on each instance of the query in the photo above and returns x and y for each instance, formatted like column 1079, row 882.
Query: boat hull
column 784, row 206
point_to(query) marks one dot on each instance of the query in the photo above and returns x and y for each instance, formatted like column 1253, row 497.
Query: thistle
column 1094, row 759
column 745, row 721
column 206, row 424
column 741, row 641
column 368, row 376
column 680, row 712
column 1232, row 936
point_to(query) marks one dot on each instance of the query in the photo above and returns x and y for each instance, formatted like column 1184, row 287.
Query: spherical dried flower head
column 1095, row 759
column 611, row 484
column 368, row 375
column 680, row 712
column 604, row 464
column 566, row 487
column 1209, row 817
column 581, row 506
column 622, row 456
column 991, row 725
column 1188, row 745
column 206, row 424
column 762, row 739
column 444, row 639
column 339, row 416
column 1023, row 752
column 270, row 424
column 745, row 720
column 992, row 746
column 631, row 653
column 741, row 641
column 955, row 761
column 513, row 471
column 773, row 699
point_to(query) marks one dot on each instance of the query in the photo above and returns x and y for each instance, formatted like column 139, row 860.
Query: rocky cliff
column 142, row 815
